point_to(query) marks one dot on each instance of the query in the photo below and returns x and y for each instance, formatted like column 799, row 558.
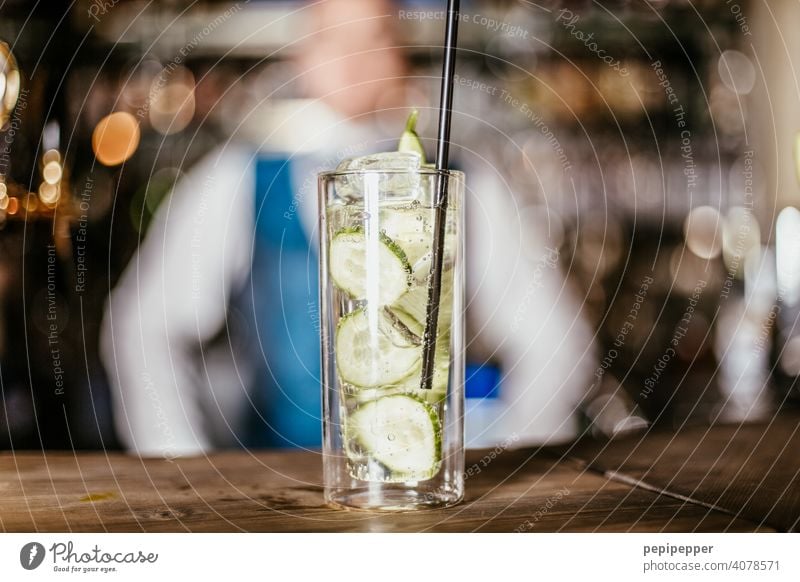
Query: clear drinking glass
column 388, row 443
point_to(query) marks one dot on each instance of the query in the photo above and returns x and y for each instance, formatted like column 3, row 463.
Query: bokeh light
column 30, row 202
column 787, row 254
column 703, row 232
column 737, row 72
column 115, row 138
column 790, row 359
column 49, row 193
column 9, row 82
column 52, row 172
column 172, row 102
column 52, row 155
column 741, row 234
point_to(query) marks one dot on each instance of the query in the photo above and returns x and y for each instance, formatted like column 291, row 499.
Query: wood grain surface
column 750, row 470
column 281, row 491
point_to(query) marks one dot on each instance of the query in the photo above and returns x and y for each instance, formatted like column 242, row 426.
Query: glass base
column 388, row 497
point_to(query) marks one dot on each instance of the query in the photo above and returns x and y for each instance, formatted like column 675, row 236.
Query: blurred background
column 651, row 143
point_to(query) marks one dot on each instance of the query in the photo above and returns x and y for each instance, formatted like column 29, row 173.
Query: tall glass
column 388, row 443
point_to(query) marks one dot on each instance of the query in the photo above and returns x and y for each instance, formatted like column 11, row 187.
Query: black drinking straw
column 440, row 216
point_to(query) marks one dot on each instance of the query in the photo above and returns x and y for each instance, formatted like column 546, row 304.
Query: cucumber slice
column 348, row 266
column 441, row 374
column 411, row 384
column 373, row 353
column 408, row 321
column 406, row 325
column 412, row 306
column 409, row 227
column 402, row 433
column 409, row 141
column 415, row 301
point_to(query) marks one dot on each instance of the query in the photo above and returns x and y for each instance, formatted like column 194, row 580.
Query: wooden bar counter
column 723, row 478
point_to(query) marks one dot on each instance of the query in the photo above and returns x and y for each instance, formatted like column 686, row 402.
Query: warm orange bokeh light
column 48, row 193
column 30, row 203
column 115, row 138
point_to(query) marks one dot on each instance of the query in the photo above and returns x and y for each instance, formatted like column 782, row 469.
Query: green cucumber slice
column 410, row 310
column 410, row 228
column 402, row 433
column 412, row 306
column 409, row 141
column 415, row 300
column 348, row 266
column 441, row 375
column 406, row 325
column 371, row 351
column 408, row 321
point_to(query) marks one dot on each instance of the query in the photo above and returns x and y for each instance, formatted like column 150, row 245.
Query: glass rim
column 458, row 174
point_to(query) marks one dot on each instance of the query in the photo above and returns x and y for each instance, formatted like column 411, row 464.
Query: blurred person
column 211, row 337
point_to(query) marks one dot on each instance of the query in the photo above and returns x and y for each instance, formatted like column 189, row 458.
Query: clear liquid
column 400, row 327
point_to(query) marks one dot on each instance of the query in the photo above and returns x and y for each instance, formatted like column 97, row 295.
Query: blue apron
column 284, row 305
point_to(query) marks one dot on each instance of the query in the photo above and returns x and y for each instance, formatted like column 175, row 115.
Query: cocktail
column 391, row 440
